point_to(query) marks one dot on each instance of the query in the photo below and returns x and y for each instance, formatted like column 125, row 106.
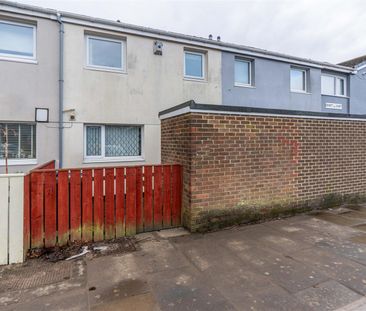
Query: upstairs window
column 333, row 85
column 194, row 65
column 113, row 142
column 17, row 40
column 299, row 80
column 19, row 139
column 243, row 72
column 105, row 53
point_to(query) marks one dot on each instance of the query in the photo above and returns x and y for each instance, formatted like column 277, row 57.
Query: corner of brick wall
column 238, row 166
column 176, row 148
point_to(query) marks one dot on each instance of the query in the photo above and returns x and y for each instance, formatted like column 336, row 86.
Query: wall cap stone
column 193, row 107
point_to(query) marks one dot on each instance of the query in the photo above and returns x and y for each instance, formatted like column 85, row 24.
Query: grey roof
column 193, row 39
column 354, row 62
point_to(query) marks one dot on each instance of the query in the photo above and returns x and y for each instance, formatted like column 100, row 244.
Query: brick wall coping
column 192, row 106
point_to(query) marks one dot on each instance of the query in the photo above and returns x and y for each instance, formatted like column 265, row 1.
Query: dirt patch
column 94, row 249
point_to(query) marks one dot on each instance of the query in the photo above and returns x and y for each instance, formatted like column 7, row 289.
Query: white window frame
column 6, row 56
column 305, row 82
column 28, row 161
column 105, row 68
column 102, row 157
column 250, row 62
column 335, row 77
column 203, row 55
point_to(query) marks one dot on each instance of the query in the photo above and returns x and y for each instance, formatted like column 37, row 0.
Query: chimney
column 209, row 37
column 218, row 38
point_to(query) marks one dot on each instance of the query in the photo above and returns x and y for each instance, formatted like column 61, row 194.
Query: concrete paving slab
column 186, row 289
column 76, row 300
column 341, row 219
column 326, row 228
column 113, row 278
column 345, row 271
column 329, row 295
column 208, row 255
column 348, row 249
column 361, row 227
column 285, row 271
column 144, row 302
column 248, row 289
column 358, row 305
column 172, row 233
column 158, row 255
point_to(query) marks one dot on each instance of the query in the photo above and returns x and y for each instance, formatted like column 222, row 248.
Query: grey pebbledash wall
column 271, row 88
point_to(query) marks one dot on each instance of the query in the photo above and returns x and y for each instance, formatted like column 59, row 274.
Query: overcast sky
column 325, row 30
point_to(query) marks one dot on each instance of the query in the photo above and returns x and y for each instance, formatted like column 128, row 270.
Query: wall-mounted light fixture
column 42, row 115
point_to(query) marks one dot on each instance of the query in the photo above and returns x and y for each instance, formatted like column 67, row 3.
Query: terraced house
column 96, row 86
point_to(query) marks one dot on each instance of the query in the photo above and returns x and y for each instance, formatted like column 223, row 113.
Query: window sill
column 113, row 160
column 191, row 79
column 332, row 95
column 248, row 86
column 13, row 162
column 300, row 92
column 120, row 71
column 19, row 60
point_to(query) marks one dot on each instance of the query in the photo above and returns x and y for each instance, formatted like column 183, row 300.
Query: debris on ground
column 100, row 248
column 77, row 249
column 84, row 252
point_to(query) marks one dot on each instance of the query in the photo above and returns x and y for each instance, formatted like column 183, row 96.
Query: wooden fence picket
column 63, row 208
column 50, row 229
column 87, row 205
column 98, row 205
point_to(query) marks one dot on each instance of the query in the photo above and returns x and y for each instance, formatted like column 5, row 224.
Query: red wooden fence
column 93, row 204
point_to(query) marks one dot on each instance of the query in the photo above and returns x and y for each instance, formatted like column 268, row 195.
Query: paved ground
column 308, row 262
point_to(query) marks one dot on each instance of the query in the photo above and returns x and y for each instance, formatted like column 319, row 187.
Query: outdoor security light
column 42, row 115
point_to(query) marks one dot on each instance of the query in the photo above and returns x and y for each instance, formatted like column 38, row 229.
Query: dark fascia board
column 219, row 44
column 196, row 108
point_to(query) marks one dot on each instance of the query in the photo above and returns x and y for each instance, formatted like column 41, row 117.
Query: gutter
column 61, row 89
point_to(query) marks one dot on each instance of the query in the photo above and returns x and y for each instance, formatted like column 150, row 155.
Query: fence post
column 11, row 218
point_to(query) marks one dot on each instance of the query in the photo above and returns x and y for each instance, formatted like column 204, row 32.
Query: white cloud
column 327, row 30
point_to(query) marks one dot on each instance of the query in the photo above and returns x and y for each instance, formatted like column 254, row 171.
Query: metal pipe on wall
column 61, row 88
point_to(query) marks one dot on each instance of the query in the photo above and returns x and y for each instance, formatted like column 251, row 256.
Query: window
column 243, row 72
column 298, row 80
column 333, row 85
column 194, row 65
column 113, row 142
column 20, row 140
column 17, row 40
column 104, row 53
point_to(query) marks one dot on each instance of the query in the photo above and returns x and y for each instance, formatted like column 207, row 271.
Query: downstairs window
column 18, row 140
column 113, row 142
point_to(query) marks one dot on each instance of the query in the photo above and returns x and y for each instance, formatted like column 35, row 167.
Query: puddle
column 125, row 288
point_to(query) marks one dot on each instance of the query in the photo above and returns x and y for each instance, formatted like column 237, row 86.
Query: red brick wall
column 243, row 161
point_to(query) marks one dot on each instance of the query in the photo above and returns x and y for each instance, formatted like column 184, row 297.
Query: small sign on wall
column 333, row 106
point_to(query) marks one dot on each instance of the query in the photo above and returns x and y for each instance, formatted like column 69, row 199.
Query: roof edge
column 224, row 46
column 192, row 107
